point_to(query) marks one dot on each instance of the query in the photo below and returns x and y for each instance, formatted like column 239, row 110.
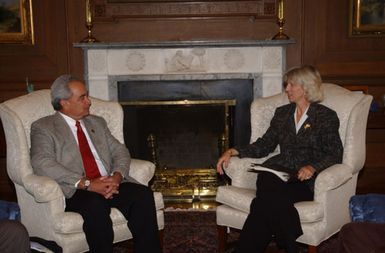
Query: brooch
column 307, row 125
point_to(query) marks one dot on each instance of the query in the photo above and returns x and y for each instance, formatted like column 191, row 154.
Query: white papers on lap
column 282, row 175
column 40, row 248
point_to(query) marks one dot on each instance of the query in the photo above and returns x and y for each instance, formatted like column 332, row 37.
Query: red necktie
column 89, row 163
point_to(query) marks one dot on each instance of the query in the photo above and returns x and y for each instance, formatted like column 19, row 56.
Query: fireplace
column 183, row 139
column 183, row 127
column 219, row 78
column 179, row 134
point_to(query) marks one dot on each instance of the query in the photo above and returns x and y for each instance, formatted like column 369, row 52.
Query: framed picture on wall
column 16, row 22
column 367, row 17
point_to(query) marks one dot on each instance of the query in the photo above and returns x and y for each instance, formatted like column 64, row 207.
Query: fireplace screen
column 183, row 139
column 183, row 126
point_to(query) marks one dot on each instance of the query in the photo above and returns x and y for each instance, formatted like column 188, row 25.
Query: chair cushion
column 71, row 222
column 240, row 199
column 230, row 217
column 309, row 211
column 236, row 197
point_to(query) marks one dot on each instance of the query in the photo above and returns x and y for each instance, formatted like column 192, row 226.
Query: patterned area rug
column 190, row 232
column 196, row 232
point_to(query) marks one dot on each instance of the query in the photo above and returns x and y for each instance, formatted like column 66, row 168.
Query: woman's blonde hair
column 309, row 78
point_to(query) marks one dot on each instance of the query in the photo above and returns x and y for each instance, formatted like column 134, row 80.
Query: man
column 78, row 151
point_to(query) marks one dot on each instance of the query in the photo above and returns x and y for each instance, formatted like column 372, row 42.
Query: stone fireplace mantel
column 106, row 64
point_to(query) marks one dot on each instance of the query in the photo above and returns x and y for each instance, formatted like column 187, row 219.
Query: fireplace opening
column 183, row 127
column 184, row 140
column 179, row 134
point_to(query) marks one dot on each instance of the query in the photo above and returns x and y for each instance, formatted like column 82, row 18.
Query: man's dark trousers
column 134, row 201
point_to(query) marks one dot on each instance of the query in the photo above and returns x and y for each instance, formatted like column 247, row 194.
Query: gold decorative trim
column 186, row 184
column 229, row 102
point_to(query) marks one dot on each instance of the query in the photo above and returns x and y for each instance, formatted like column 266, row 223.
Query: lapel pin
column 307, row 125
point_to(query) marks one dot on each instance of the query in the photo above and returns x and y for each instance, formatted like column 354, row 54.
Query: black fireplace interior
column 186, row 135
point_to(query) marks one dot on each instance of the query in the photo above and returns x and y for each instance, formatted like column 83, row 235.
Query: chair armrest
column 43, row 189
column 237, row 171
column 142, row 171
column 332, row 177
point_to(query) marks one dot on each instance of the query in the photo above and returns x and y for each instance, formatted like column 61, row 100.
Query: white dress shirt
column 72, row 124
column 301, row 120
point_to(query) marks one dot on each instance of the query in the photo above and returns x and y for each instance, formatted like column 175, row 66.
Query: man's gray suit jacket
column 55, row 152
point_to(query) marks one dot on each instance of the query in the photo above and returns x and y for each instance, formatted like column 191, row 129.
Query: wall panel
column 320, row 29
column 42, row 61
column 327, row 44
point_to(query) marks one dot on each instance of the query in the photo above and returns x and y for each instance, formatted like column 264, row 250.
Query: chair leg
column 312, row 249
column 222, row 238
column 161, row 235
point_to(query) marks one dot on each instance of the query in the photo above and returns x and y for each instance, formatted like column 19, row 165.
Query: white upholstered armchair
column 325, row 215
column 40, row 198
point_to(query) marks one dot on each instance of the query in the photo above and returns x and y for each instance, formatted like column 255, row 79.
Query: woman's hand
column 223, row 161
column 306, row 172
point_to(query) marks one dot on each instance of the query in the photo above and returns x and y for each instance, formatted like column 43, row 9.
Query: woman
column 307, row 133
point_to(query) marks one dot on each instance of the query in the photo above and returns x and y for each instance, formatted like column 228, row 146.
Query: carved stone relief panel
column 191, row 60
column 135, row 61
